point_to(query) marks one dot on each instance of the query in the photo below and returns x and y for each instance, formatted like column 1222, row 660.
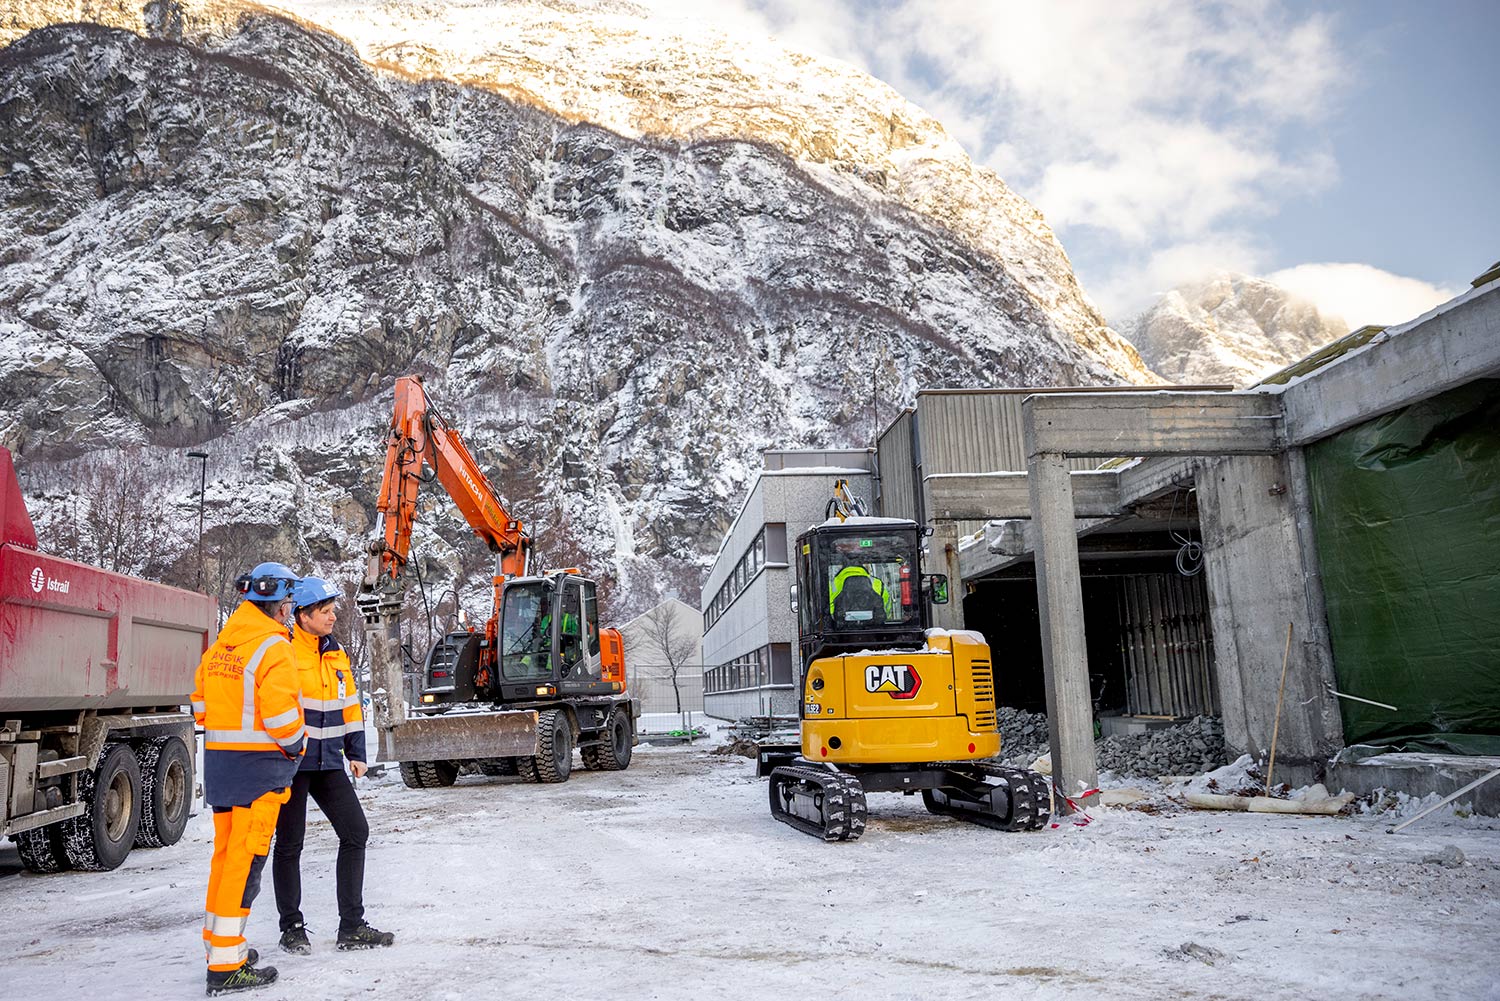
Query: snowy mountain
column 625, row 259
column 1229, row 328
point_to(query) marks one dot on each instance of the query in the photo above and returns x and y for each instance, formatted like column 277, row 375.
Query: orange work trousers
column 242, row 837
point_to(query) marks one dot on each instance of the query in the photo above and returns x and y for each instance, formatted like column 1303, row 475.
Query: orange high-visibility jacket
column 246, row 699
column 330, row 702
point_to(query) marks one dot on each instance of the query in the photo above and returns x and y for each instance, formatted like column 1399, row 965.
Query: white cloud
column 1132, row 287
column 1146, row 132
column 1360, row 293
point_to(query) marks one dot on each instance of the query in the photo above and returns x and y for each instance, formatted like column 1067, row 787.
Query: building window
column 775, row 538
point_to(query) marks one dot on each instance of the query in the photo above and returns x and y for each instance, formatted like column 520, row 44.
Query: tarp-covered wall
column 1407, row 514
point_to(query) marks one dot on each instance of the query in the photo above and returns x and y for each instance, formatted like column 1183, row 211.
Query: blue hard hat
column 311, row 590
column 268, row 582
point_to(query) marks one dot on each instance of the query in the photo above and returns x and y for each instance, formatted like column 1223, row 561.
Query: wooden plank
column 1157, row 423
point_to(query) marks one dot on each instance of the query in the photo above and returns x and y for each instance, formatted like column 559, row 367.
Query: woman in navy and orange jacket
column 335, row 734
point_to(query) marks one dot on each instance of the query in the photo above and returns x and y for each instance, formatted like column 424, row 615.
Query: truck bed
column 76, row 637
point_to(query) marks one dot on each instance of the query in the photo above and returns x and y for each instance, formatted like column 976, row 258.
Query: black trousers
column 334, row 794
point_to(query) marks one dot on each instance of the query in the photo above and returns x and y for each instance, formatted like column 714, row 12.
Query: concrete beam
column 1059, row 587
column 1000, row 495
column 1158, row 423
column 1457, row 343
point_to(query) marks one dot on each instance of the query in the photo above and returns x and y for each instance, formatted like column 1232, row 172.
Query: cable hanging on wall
column 1189, row 550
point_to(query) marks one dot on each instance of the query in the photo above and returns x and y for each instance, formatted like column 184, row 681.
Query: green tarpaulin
column 1407, row 514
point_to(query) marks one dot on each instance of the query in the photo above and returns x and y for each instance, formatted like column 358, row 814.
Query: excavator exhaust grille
column 983, row 681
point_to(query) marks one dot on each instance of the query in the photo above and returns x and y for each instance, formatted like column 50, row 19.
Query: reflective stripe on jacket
column 245, row 698
column 330, row 703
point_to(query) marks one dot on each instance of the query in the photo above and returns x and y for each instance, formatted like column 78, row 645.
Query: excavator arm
column 422, row 446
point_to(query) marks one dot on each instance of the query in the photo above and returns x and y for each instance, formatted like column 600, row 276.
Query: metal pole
column 202, row 458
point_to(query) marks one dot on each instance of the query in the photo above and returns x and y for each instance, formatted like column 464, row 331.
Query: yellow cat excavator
column 888, row 705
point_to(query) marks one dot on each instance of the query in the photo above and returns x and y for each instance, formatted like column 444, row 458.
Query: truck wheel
column 497, row 767
column 411, row 776
column 41, row 849
column 614, row 754
column 526, row 768
column 166, row 797
column 103, row 836
column 437, row 774
column 554, row 746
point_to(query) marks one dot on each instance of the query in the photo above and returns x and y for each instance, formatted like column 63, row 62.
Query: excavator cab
column 860, row 585
column 550, row 641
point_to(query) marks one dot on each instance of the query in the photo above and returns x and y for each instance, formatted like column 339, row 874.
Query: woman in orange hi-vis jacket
column 247, row 701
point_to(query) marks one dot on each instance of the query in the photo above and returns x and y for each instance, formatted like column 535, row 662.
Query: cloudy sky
column 1347, row 150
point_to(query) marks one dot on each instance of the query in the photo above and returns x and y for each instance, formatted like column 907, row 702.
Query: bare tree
column 677, row 648
column 114, row 516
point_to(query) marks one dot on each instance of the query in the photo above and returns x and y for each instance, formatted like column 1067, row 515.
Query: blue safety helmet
column 311, row 591
column 268, row 582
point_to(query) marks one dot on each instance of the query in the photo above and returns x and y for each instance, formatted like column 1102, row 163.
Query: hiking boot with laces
column 294, row 940
column 364, row 937
column 246, row 978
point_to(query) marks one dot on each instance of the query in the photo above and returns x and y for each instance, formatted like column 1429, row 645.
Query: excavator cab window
column 591, row 620
column 869, row 581
column 526, row 632
column 570, row 639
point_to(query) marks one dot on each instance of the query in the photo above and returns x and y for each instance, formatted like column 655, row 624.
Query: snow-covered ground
column 671, row 881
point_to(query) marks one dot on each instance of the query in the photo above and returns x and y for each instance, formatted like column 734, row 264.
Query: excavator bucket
column 461, row 737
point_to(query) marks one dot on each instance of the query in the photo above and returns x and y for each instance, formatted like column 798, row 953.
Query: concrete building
column 1338, row 519
column 749, row 631
column 664, row 657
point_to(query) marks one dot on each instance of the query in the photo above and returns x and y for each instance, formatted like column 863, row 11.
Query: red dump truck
column 96, row 748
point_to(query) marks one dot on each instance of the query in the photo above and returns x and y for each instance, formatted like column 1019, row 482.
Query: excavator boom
column 422, row 446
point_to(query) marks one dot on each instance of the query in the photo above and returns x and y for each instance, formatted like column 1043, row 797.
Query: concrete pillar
column 1262, row 572
column 943, row 550
column 1059, row 586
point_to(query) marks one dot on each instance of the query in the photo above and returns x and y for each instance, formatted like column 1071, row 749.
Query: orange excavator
column 516, row 695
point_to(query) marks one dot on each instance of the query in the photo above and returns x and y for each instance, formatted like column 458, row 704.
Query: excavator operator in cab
column 855, row 597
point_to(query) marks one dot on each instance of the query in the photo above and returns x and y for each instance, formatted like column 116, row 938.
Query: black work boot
column 364, row 937
column 251, row 957
column 246, row 978
column 294, row 940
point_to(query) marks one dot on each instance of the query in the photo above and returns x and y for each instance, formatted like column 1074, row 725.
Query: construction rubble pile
column 1184, row 749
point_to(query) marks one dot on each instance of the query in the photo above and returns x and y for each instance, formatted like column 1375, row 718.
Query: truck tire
column 411, row 776
column 497, row 767
column 526, row 768
column 614, row 754
column 41, row 849
column 554, row 746
column 166, row 792
column 103, row 836
column 436, row 774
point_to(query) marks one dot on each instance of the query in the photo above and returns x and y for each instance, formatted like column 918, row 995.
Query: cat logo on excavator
column 899, row 681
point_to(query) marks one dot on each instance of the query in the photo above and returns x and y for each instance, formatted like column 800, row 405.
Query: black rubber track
column 838, row 798
column 1029, row 810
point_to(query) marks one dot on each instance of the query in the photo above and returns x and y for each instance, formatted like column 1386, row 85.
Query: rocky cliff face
column 1230, row 329
column 625, row 263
